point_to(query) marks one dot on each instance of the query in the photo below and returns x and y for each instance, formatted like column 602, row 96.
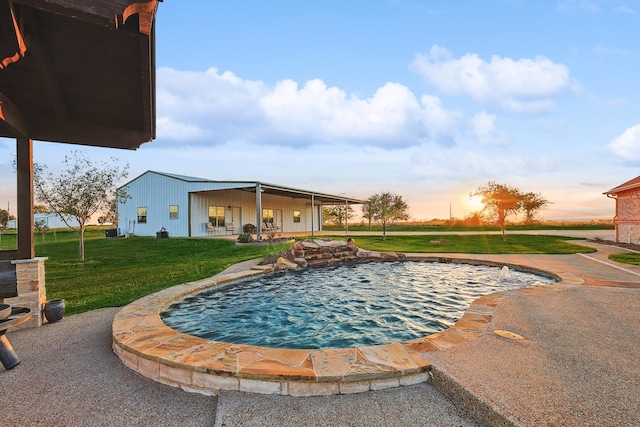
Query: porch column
column 24, row 161
column 312, row 209
column 258, row 211
column 346, row 217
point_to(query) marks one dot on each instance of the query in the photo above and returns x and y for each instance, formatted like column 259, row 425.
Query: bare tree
column 500, row 200
column 386, row 209
column 80, row 190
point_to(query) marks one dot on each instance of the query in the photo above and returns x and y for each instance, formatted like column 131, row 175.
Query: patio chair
column 230, row 228
column 210, row 229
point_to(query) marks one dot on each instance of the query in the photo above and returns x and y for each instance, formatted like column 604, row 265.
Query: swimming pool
column 349, row 305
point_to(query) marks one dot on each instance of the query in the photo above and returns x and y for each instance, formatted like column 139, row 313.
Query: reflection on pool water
column 350, row 305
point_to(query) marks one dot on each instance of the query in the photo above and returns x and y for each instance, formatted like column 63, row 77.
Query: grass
column 449, row 228
column 472, row 244
column 118, row 271
column 626, row 258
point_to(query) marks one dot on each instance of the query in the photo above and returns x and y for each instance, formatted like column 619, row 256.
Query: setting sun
column 474, row 203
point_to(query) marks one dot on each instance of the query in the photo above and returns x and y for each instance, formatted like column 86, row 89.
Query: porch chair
column 230, row 228
column 210, row 229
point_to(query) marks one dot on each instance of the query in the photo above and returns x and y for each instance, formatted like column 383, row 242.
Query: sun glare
column 474, row 203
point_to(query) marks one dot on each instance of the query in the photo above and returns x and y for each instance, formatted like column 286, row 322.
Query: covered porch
column 80, row 72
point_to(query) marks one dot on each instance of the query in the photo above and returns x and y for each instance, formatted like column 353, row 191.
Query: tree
column 41, row 209
column 500, row 200
column 367, row 211
column 5, row 217
column 531, row 204
column 337, row 214
column 40, row 226
column 80, row 190
column 386, row 209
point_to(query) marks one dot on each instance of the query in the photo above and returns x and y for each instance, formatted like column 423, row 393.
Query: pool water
column 351, row 305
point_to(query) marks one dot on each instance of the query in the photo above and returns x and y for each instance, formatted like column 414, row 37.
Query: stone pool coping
column 146, row 345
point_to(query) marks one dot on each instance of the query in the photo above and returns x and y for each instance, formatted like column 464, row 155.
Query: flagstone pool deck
column 577, row 365
column 146, row 345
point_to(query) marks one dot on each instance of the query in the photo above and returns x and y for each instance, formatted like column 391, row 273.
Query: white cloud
column 625, row 10
column 583, row 5
column 483, row 129
column 214, row 108
column 627, row 145
column 525, row 85
column 177, row 130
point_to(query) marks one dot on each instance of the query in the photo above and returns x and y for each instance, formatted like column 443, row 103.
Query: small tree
column 4, row 222
column 337, row 214
column 386, row 209
column 40, row 226
column 531, row 204
column 41, row 209
column 500, row 200
column 80, row 190
column 367, row 211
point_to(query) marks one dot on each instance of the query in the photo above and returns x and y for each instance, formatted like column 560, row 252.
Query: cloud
column 627, row 145
column 625, row 10
column 522, row 86
column 213, row 108
column 482, row 128
column 583, row 5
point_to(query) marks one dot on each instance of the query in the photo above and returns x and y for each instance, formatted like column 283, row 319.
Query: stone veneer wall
column 32, row 292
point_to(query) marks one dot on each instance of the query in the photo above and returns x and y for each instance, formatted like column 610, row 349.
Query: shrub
column 245, row 238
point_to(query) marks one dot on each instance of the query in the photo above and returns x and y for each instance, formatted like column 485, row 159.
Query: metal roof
column 266, row 188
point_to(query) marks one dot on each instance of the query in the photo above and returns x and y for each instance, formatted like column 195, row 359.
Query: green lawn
column 472, row 244
column 450, row 228
column 118, row 271
column 626, row 257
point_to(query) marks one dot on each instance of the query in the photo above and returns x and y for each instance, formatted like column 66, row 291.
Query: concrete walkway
column 577, row 365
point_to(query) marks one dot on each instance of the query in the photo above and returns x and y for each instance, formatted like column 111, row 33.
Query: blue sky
column 426, row 99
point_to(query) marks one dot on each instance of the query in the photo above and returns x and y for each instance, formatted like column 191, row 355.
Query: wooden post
column 24, row 160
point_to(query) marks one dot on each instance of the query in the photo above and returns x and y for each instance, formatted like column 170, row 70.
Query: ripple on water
column 350, row 305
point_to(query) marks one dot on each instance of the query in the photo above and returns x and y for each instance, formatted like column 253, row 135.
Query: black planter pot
column 54, row 310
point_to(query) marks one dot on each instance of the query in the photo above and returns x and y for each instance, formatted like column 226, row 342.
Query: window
column 142, row 215
column 296, row 216
column 173, row 211
column 216, row 216
column 267, row 216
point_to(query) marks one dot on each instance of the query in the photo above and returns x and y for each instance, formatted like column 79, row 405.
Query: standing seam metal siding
column 157, row 192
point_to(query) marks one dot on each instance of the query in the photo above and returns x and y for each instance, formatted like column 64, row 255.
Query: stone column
column 32, row 292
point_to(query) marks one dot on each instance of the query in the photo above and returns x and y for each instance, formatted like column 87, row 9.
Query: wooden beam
column 97, row 12
column 24, row 160
column 12, row 117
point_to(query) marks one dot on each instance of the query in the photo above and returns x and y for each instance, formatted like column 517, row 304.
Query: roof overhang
column 629, row 185
column 276, row 190
column 80, row 71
